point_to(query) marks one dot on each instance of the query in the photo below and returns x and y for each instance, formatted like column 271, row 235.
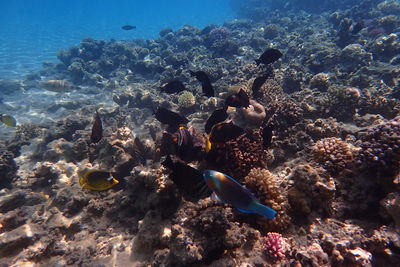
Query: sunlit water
column 32, row 31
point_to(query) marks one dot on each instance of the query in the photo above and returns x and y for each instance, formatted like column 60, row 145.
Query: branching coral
column 269, row 191
column 273, row 245
column 334, row 154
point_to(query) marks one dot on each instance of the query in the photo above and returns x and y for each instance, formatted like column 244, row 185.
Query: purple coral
column 273, row 245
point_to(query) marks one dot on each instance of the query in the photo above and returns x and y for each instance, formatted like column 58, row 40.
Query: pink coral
column 273, row 245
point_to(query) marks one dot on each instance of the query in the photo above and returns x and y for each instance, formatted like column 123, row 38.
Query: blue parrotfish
column 231, row 192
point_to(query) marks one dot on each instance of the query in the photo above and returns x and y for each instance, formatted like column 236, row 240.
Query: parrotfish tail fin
column 258, row 61
column 262, row 210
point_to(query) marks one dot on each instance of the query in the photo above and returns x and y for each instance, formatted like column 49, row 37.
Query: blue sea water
column 32, row 31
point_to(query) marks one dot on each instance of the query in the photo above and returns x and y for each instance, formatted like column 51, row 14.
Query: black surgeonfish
column 169, row 117
column 269, row 56
column 225, row 131
column 219, row 115
column 238, row 100
column 206, row 86
column 189, row 180
column 259, row 81
column 128, row 27
column 267, row 135
column 97, row 130
column 172, row 87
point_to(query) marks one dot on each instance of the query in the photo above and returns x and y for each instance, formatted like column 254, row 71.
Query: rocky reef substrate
column 331, row 171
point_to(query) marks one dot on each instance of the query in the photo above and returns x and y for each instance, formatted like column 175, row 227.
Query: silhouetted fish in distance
column 128, row 27
column 97, row 130
column 189, row 180
column 171, row 87
column 269, row 56
column 238, row 100
column 169, row 117
column 202, row 77
column 219, row 115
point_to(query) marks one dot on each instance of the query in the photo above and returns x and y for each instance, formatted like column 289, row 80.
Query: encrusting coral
column 312, row 189
column 255, row 113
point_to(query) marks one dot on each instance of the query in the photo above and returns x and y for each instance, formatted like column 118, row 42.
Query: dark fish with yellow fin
column 97, row 180
column 223, row 132
column 231, row 192
column 269, row 56
column 97, row 130
column 219, row 115
column 8, row 120
column 58, row 86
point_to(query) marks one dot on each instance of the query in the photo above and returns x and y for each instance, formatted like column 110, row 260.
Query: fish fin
column 258, row 61
column 192, row 73
column 208, row 144
column 262, row 210
column 244, row 211
column 214, row 197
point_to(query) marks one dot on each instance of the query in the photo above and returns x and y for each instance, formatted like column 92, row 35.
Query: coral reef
column 335, row 154
column 331, row 169
column 186, row 100
column 380, row 151
column 269, row 191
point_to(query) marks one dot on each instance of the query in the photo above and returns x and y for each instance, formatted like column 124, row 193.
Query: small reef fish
column 97, row 180
column 231, row 192
column 238, row 100
column 128, row 27
column 97, row 130
column 259, row 81
column 58, row 86
column 217, row 116
column 267, row 135
column 223, row 132
column 172, row 87
column 185, row 143
column 8, row 120
column 206, row 86
column 269, row 56
column 189, row 180
column 169, row 117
